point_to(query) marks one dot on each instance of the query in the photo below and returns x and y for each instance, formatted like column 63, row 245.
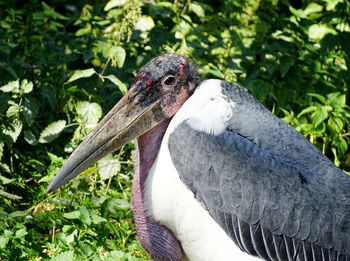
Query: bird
column 218, row 176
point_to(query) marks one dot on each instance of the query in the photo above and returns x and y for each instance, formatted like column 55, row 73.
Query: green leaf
column 90, row 113
column 318, row 129
column 335, row 125
column 81, row 74
column 311, row 11
column 11, row 87
column 26, row 86
column 145, row 23
column 17, row 214
column 30, row 138
column 114, row 3
column 20, row 233
column 5, row 180
column 286, row 63
column 72, row 215
column 343, row 147
column 331, row 4
column 14, row 129
column 318, row 31
column 9, row 195
column 337, row 100
column 3, row 241
column 85, row 216
column 197, row 9
column 319, row 97
column 52, row 131
column 84, row 30
column 319, row 115
column 1, row 149
column 96, row 219
column 108, row 167
column 106, row 49
column 13, row 111
column 313, row 8
column 4, row 98
column 122, row 87
column 118, row 55
column 307, row 110
column 30, row 110
column 55, row 159
column 5, row 167
column 64, row 256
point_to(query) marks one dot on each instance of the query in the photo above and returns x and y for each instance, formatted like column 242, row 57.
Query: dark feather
column 270, row 189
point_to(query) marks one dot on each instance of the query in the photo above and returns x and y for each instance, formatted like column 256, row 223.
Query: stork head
column 158, row 91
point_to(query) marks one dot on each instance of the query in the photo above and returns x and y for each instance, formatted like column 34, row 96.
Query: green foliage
column 63, row 65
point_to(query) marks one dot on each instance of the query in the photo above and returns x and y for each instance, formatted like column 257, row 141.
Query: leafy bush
column 63, row 65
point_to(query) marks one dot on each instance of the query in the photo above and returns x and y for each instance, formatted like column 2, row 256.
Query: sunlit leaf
column 64, row 256
column 108, row 167
column 114, row 3
column 89, row 112
column 197, row 9
column 30, row 138
column 96, row 219
column 13, row 129
column 311, row 11
column 122, row 87
column 26, row 86
column 318, row 31
column 331, row 4
column 9, row 195
column 307, row 110
column 72, row 215
column 30, row 109
column 319, row 115
column 52, row 131
column 84, row 30
column 319, row 97
column 11, row 87
column 1, row 149
column 20, row 233
column 78, row 74
column 3, row 241
column 13, row 111
column 118, row 55
column 5, row 180
column 337, row 99
column 145, row 23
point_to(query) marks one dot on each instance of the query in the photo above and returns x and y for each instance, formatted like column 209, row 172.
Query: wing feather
column 271, row 190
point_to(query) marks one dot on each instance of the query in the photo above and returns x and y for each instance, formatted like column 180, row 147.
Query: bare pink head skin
column 158, row 91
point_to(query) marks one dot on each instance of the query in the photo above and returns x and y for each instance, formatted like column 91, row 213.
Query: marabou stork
column 219, row 177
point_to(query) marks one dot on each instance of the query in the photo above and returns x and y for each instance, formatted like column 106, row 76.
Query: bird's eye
column 169, row 80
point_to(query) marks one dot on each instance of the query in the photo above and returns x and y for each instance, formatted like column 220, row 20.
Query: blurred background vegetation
column 64, row 64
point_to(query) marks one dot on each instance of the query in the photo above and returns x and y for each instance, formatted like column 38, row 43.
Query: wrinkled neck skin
column 156, row 239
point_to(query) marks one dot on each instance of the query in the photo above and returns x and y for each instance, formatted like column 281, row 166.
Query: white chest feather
column 171, row 203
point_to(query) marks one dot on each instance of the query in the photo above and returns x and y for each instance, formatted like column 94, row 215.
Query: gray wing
column 270, row 189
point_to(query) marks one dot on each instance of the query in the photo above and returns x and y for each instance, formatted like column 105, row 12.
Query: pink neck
column 157, row 240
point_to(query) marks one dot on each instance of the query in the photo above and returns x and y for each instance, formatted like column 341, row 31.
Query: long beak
column 127, row 120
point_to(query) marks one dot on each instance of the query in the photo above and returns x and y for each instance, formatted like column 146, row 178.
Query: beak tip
column 52, row 187
column 49, row 189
